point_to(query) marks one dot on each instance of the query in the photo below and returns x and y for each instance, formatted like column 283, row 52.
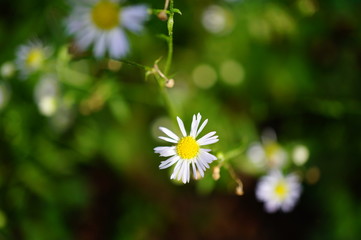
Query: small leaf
column 176, row 10
column 163, row 36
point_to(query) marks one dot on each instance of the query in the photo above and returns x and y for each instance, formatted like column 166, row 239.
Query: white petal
column 195, row 124
column 176, row 169
column 185, row 177
column 99, row 48
column 168, row 139
column 208, row 141
column 206, row 150
column 77, row 21
column 169, row 133
column 199, row 168
column 133, row 17
column 207, row 156
column 118, row 44
column 181, row 126
column 200, row 164
column 271, row 207
column 202, row 126
column 165, row 151
column 207, row 137
column 169, row 162
column 194, row 170
column 181, row 171
column 86, row 37
column 188, row 171
column 160, row 149
column 203, row 162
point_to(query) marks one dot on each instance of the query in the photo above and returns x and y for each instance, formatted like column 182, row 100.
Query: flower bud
column 169, row 83
column 216, row 175
column 162, row 15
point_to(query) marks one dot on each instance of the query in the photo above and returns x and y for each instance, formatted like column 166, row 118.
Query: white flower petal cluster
column 268, row 155
column 101, row 23
column 187, row 151
column 279, row 192
column 31, row 57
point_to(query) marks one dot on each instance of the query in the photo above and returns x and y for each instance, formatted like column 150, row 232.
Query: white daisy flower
column 101, row 23
column 187, row 150
column 31, row 57
column 278, row 191
column 267, row 155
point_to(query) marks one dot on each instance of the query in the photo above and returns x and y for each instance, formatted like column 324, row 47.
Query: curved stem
column 233, row 153
column 135, row 64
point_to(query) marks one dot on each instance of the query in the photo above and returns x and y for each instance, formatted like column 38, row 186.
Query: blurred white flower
column 7, row 69
column 300, row 155
column 31, row 57
column 48, row 105
column 102, row 23
column 217, row 20
column 278, row 191
column 46, row 95
column 187, row 150
column 267, row 155
column 256, row 154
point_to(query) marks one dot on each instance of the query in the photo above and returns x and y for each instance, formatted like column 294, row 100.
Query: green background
column 97, row 178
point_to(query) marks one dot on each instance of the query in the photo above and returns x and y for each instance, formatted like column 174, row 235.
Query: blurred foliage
column 89, row 171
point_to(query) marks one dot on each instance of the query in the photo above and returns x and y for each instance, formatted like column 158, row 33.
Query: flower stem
column 170, row 24
column 168, row 103
column 233, row 153
column 135, row 64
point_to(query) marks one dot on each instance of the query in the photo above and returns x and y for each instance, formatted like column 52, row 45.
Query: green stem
column 135, row 64
column 170, row 24
column 233, row 153
column 168, row 103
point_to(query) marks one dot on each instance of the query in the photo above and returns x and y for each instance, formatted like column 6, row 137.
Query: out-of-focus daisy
column 187, row 150
column 267, row 155
column 278, row 191
column 217, row 20
column 31, row 57
column 300, row 155
column 101, row 23
column 46, row 95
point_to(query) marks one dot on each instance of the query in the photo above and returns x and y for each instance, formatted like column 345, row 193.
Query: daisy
column 187, row 150
column 101, row 23
column 31, row 57
column 270, row 154
column 278, row 191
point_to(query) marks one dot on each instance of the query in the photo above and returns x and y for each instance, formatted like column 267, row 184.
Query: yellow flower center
column 271, row 149
column 35, row 58
column 281, row 190
column 105, row 15
column 187, row 147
